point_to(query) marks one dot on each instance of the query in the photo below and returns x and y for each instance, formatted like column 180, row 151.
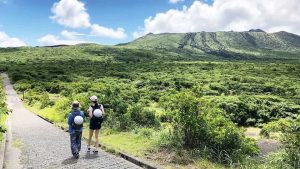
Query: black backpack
column 74, row 125
column 95, row 119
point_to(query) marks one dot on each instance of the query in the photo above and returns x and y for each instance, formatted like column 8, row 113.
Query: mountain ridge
column 252, row 37
column 227, row 44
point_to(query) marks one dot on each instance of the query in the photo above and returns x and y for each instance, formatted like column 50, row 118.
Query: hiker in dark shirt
column 96, row 114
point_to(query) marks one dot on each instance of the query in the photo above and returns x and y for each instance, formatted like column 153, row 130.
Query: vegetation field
column 3, row 110
column 172, row 110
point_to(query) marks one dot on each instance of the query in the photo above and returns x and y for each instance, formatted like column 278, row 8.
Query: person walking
column 96, row 114
column 75, row 122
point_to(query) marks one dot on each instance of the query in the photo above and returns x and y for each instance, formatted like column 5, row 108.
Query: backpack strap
column 95, row 107
column 76, row 113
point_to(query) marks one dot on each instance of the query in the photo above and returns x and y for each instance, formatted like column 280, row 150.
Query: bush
column 83, row 99
column 165, row 117
column 290, row 139
column 252, row 110
column 199, row 125
column 117, row 122
column 3, row 110
column 141, row 116
column 63, row 106
column 275, row 126
column 145, row 132
column 45, row 101
column 291, row 144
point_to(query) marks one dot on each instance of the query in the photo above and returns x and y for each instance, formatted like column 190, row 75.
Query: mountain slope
column 249, row 44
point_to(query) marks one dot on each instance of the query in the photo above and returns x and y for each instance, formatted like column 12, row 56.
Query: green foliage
column 198, row 127
column 291, row 144
column 142, row 116
column 252, row 110
column 45, row 101
column 275, row 126
column 246, row 45
column 290, row 136
column 63, row 106
column 261, row 87
column 3, row 110
column 272, row 161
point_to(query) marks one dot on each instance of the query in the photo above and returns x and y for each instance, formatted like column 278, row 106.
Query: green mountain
column 253, row 44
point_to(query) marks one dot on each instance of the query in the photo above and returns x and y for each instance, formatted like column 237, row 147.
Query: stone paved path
column 35, row 143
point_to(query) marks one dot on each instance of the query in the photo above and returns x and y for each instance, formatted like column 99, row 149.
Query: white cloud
column 71, row 13
column 70, row 35
column 139, row 33
column 101, row 31
column 238, row 15
column 175, row 1
column 49, row 40
column 7, row 41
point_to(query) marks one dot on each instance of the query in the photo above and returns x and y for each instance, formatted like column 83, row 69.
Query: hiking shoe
column 76, row 155
column 95, row 151
column 88, row 149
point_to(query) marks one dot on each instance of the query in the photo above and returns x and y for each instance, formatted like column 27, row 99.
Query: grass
column 3, row 119
column 253, row 132
column 141, row 143
column 17, row 143
column 128, row 142
column 3, row 110
column 48, row 113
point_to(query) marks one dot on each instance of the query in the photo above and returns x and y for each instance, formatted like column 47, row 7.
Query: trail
column 35, row 143
column 266, row 146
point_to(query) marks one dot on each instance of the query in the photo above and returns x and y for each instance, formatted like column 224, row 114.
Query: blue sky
column 46, row 22
column 29, row 19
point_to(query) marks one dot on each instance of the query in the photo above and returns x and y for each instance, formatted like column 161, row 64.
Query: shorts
column 95, row 125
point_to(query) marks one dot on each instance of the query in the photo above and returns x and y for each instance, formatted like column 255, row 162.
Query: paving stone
column 46, row 146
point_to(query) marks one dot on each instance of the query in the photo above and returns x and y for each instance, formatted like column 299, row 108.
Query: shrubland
column 165, row 101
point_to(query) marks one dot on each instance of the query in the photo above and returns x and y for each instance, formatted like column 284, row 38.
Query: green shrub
column 166, row 139
column 3, row 110
column 116, row 121
column 290, row 139
column 198, row 125
column 23, row 86
column 45, row 101
column 83, row 99
column 141, row 116
column 275, row 126
column 252, row 110
column 63, row 106
column 145, row 132
column 291, row 144
column 165, row 117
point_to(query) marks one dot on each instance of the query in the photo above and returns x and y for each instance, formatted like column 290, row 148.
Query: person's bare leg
column 97, row 139
column 90, row 138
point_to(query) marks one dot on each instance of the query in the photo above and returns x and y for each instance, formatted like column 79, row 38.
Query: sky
column 109, row 22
